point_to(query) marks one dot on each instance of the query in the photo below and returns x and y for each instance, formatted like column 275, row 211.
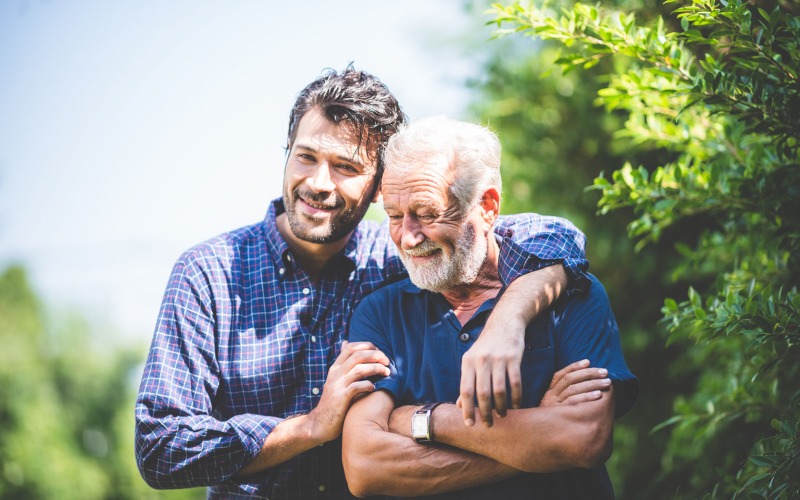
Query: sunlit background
column 131, row 130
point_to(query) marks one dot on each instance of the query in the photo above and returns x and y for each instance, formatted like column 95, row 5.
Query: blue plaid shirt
column 244, row 340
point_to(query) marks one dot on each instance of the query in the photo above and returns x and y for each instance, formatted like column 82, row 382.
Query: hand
column 576, row 383
column 346, row 380
column 485, row 367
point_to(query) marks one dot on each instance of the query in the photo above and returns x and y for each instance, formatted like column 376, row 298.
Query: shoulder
column 532, row 221
column 391, row 295
column 595, row 299
column 217, row 254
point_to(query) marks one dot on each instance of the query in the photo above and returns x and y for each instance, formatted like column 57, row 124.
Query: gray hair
column 472, row 151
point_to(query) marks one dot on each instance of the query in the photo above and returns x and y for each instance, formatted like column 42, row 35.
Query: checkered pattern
column 244, row 339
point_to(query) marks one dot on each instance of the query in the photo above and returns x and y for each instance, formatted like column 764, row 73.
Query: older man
column 441, row 191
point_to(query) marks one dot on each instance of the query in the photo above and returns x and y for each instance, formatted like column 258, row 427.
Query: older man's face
column 441, row 248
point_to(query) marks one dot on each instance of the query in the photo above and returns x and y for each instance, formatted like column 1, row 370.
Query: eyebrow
column 314, row 150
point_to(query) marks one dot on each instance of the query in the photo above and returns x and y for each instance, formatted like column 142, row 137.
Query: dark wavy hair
column 355, row 99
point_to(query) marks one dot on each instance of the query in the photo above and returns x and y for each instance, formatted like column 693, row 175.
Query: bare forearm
column 379, row 462
column 530, row 294
column 535, row 439
column 289, row 439
column 390, row 464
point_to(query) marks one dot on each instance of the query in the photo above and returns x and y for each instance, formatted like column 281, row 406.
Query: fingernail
column 602, row 372
column 584, row 362
column 469, row 422
column 606, row 381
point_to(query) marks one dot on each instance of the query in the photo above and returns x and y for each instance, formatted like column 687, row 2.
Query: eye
column 427, row 217
column 307, row 157
column 347, row 168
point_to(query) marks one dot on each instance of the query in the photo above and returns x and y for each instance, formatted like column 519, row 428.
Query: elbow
column 586, row 447
column 595, row 446
column 359, row 473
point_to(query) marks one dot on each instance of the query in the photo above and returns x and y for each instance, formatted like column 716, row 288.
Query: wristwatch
column 421, row 423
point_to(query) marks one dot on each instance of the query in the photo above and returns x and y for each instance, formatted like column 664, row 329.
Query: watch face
column 419, row 427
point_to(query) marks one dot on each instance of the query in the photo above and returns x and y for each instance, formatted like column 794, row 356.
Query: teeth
column 317, row 206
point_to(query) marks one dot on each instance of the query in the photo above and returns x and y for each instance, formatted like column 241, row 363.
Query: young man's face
column 440, row 247
column 328, row 182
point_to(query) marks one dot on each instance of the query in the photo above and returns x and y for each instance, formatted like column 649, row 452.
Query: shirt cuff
column 253, row 430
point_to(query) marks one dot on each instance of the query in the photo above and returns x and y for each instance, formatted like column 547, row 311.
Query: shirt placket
column 321, row 297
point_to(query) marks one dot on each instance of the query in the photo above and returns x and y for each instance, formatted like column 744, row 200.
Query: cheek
column 395, row 233
column 356, row 190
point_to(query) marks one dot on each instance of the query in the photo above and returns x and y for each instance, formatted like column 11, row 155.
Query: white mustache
column 424, row 249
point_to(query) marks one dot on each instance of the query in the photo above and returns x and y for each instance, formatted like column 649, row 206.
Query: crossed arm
column 380, row 457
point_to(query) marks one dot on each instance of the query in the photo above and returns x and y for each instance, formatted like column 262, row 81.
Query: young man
column 441, row 191
column 249, row 376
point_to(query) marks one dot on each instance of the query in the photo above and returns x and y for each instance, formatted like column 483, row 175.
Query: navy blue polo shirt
column 424, row 340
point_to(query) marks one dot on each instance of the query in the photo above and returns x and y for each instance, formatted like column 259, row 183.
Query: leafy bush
column 717, row 100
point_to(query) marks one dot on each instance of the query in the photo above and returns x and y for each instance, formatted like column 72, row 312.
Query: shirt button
column 289, row 258
column 313, row 338
column 463, row 337
column 315, row 391
column 306, row 291
column 322, row 487
column 281, row 271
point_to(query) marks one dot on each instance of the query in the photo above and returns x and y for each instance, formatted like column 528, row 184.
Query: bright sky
column 131, row 130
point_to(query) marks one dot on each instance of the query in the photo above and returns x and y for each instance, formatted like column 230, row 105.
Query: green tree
column 711, row 111
column 66, row 405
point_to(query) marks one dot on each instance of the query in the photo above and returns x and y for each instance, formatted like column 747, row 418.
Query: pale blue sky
column 130, row 130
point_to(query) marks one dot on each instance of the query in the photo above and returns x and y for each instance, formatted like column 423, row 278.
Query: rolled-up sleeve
column 179, row 442
column 529, row 242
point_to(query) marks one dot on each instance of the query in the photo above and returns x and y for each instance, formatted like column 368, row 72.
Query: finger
column 467, row 394
column 584, row 397
column 499, row 388
column 585, row 387
column 364, row 370
column 560, row 374
column 579, row 376
column 364, row 356
column 483, row 390
column 348, row 348
column 359, row 387
column 515, row 382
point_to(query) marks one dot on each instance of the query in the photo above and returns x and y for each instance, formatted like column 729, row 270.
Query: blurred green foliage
column 66, row 406
column 688, row 115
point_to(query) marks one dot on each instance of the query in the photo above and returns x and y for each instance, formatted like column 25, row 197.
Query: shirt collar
column 488, row 305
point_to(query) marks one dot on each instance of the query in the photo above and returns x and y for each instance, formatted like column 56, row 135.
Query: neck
column 312, row 257
column 467, row 298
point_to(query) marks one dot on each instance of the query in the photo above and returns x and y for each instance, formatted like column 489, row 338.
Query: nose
column 320, row 180
column 411, row 233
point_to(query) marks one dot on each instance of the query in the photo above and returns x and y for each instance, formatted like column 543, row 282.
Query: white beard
column 447, row 271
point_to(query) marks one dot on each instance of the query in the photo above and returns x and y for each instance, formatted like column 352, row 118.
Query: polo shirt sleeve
column 586, row 329
column 529, row 242
column 370, row 323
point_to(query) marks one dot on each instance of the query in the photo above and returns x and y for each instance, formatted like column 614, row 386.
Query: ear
column 490, row 203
